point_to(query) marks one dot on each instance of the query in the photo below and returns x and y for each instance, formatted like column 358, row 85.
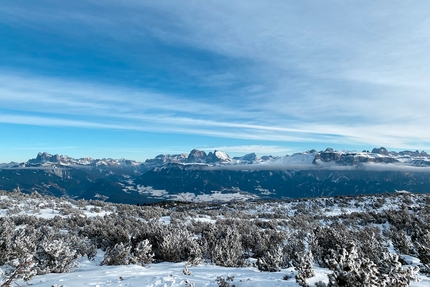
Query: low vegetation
column 364, row 240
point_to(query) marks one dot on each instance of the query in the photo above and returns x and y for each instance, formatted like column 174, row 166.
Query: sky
column 134, row 78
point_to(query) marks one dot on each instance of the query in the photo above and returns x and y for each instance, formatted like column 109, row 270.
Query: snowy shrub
column 83, row 246
column 369, row 243
column 106, row 232
column 124, row 254
column 326, row 239
column 172, row 245
column 401, row 242
column 24, row 268
column 350, row 270
column 271, row 261
column 142, row 253
column 195, row 253
column 225, row 282
column 401, row 219
column 24, row 242
column 227, row 248
column 117, row 255
column 424, row 256
column 266, row 240
column 392, row 273
column 7, row 231
column 303, row 264
column 421, row 242
column 175, row 244
column 55, row 256
column 186, row 271
column 294, row 246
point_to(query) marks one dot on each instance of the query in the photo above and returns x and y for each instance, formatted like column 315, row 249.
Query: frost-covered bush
column 117, row 255
column 294, row 247
column 325, row 239
column 7, row 231
column 348, row 243
column 124, row 254
column 350, row 270
column 106, row 232
column 55, row 256
column 268, row 239
column 421, row 242
column 172, row 245
column 24, row 242
column 24, row 268
column 142, row 253
column 271, row 260
column 224, row 246
column 393, row 274
column 368, row 241
column 401, row 242
column 186, row 271
column 228, row 251
column 227, row 282
column 303, row 264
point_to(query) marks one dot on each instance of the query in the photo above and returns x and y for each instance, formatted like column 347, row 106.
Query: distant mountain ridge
column 215, row 176
column 46, row 159
column 377, row 155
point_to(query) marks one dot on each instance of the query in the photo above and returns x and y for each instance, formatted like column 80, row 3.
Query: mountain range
column 215, row 176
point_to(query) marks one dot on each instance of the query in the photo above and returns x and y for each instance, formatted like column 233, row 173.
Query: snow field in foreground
column 165, row 274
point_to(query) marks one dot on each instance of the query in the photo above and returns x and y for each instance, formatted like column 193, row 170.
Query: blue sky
column 134, row 79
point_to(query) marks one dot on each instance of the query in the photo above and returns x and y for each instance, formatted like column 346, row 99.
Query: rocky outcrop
column 329, row 155
column 413, row 153
column 218, row 157
column 197, row 156
column 353, row 158
column 45, row 157
column 165, row 159
column 381, row 150
column 248, row 158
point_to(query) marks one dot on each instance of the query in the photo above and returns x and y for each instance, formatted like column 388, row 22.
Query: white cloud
column 329, row 72
column 51, row 102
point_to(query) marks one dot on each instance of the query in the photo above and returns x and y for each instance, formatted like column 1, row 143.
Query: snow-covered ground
column 161, row 274
column 167, row 274
column 89, row 273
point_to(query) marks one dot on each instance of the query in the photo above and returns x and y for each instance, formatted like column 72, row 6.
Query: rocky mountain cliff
column 215, row 176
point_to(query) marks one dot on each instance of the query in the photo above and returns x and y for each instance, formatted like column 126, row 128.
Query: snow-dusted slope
column 283, row 216
column 380, row 155
column 298, row 158
column 216, row 176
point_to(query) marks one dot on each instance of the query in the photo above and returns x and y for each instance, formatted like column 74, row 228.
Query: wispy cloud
column 53, row 102
column 284, row 71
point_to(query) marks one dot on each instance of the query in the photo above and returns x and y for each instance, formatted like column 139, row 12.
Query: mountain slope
column 201, row 176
